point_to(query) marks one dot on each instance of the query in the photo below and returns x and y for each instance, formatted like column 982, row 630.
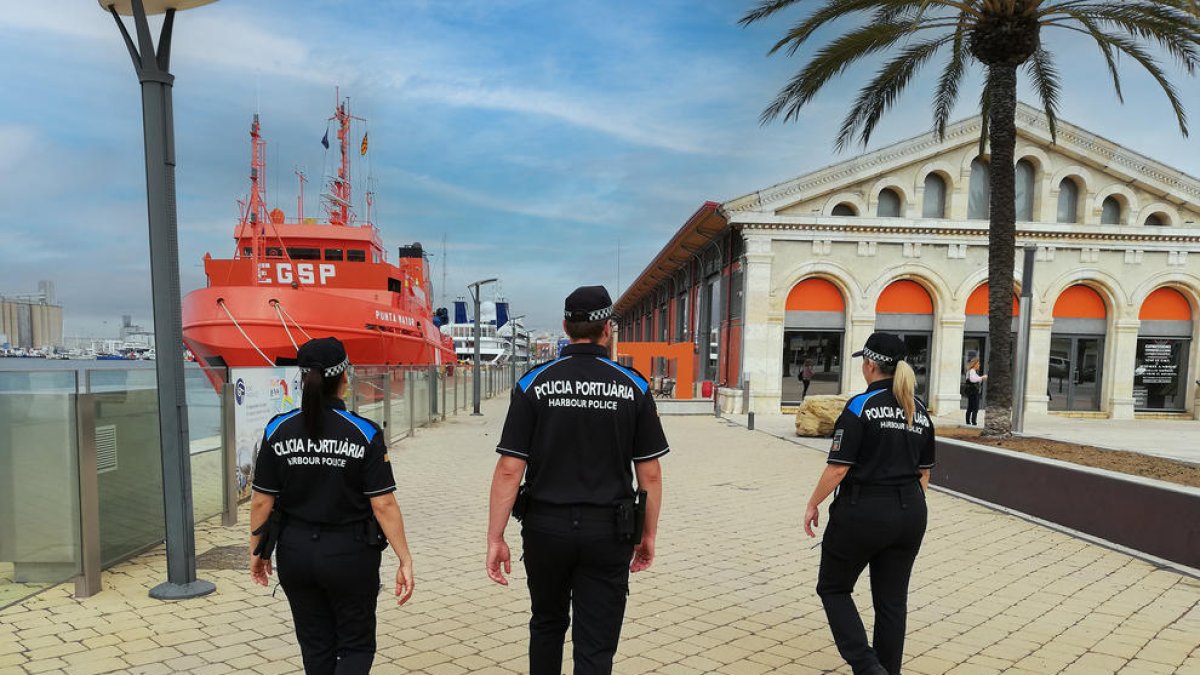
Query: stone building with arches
column 791, row 279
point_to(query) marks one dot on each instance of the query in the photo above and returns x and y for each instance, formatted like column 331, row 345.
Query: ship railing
column 80, row 465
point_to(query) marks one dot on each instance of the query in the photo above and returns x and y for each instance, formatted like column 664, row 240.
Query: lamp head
column 125, row 7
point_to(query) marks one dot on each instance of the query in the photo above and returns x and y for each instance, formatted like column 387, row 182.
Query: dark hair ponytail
column 315, row 388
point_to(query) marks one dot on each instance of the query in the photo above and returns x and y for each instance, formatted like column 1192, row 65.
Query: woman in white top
column 974, row 385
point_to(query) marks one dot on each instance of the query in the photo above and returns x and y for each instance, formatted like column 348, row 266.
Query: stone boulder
column 818, row 414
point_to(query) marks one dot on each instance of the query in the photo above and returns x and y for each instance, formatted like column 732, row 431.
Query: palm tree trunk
column 1002, row 234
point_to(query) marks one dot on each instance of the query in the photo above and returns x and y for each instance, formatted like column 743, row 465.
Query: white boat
column 492, row 348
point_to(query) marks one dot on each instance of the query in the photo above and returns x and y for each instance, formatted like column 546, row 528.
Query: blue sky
column 533, row 135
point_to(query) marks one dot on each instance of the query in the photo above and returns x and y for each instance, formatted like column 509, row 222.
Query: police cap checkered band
column 327, row 355
column 588, row 303
column 883, row 348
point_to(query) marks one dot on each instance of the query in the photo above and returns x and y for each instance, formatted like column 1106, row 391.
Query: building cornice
column 1050, row 234
column 1031, row 122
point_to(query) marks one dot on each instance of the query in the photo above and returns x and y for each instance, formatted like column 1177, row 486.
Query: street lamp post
column 478, row 337
column 153, row 70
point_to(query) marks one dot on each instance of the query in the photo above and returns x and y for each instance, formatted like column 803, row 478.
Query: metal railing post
column 387, row 402
column 442, row 377
column 433, row 393
column 88, row 583
column 229, row 467
column 412, row 402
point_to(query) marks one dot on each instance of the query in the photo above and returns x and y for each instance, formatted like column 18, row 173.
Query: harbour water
column 20, row 375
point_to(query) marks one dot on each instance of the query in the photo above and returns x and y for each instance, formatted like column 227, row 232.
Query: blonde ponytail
column 904, row 388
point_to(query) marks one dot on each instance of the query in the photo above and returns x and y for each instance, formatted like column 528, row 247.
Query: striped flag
column 363, row 150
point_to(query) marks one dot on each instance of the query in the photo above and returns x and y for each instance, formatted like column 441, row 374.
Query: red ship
column 289, row 281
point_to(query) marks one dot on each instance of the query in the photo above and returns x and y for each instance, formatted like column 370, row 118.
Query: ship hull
column 264, row 325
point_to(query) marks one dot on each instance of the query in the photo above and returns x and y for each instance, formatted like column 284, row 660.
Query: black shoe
column 876, row 670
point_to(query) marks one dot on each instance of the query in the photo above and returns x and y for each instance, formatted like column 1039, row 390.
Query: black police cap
column 883, row 348
column 326, row 355
column 588, row 303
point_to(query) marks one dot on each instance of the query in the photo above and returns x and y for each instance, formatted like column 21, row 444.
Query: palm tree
column 1002, row 35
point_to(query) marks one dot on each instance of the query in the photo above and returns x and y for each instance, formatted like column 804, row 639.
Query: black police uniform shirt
column 580, row 422
column 329, row 480
column 872, row 436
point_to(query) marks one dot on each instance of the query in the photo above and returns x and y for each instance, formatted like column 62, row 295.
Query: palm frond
column 765, row 9
column 880, row 94
column 1135, row 51
column 830, row 61
column 1049, row 85
column 1176, row 31
column 947, row 88
column 985, row 117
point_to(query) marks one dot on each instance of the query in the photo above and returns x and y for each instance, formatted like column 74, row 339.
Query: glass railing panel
column 39, row 482
column 203, row 386
column 129, row 468
column 398, row 418
column 370, row 389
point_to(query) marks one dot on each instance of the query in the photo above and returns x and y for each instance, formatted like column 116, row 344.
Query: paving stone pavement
column 732, row 590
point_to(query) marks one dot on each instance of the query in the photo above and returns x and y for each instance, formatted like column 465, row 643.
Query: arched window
column 1110, row 211
column 980, row 191
column 934, row 205
column 1068, row 201
column 1156, row 220
column 1024, row 175
column 844, row 209
column 889, row 204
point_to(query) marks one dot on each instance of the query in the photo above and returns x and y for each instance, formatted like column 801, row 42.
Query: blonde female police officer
column 323, row 488
column 883, row 448
column 578, row 429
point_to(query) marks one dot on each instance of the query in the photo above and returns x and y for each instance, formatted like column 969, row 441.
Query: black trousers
column 881, row 528
column 972, row 408
column 331, row 578
column 575, row 567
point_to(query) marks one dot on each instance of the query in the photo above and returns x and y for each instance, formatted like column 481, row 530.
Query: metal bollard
column 750, row 421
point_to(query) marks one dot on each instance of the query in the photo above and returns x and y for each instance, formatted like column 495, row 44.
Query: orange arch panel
column 977, row 303
column 815, row 295
column 1080, row 302
column 904, row 297
column 1166, row 304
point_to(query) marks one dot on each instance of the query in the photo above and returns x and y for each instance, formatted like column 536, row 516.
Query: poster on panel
column 259, row 394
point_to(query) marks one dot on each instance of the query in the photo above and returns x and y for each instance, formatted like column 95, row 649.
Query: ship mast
column 338, row 197
column 300, row 200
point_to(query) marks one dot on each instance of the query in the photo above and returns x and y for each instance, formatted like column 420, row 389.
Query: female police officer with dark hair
column 323, row 490
column 879, row 461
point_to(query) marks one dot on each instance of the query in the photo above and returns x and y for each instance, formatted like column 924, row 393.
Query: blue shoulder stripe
column 273, row 425
column 637, row 381
column 366, row 428
column 532, row 375
column 856, row 404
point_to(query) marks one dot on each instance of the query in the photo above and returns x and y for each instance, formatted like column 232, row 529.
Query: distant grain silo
column 32, row 321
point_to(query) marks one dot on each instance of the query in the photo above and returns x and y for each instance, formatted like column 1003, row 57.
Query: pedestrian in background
column 578, row 429
column 974, row 387
column 879, row 461
column 324, row 502
column 806, row 375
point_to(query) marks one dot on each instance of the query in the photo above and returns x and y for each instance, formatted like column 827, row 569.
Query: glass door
column 918, row 358
column 1075, row 374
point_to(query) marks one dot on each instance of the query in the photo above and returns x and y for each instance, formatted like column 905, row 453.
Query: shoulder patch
column 365, row 426
column 856, row 404
column 634, row 376
column 278, row 420
column 533, row 373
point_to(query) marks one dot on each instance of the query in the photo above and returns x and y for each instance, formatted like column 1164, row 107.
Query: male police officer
column 578, row 428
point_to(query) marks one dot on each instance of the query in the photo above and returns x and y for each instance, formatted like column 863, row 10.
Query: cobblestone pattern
column 731, row 591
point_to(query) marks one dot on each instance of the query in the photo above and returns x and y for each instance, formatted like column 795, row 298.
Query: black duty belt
column 578, row 511
column 356, row 526
column 856, row 491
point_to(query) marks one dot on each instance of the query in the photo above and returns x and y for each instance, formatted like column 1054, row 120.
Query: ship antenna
column 300, row 200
